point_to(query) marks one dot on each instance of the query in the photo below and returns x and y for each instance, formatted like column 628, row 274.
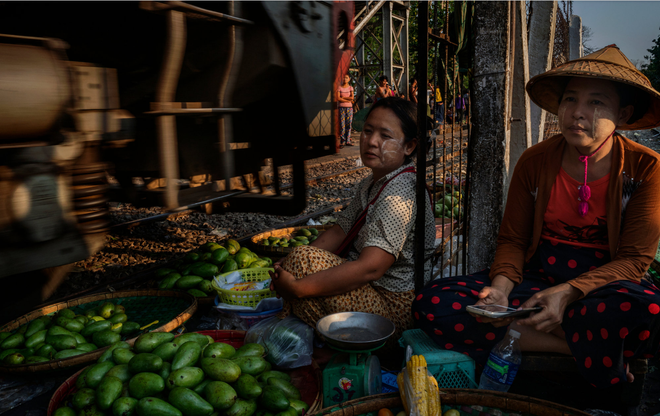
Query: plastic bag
column 418, row 400
column 288, row 341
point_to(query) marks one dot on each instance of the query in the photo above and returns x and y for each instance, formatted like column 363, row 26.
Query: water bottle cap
column 514, row 333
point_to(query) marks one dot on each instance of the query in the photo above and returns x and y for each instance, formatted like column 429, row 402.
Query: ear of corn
column 420, row 387
column 402, row 392
column 434, row 396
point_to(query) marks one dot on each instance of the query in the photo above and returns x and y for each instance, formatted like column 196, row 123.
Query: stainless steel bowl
column 355, row 330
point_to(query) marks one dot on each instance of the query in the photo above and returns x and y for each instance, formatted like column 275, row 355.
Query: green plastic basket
column 249, row 298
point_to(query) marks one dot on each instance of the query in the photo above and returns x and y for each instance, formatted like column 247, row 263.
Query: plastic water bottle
column 502, row 365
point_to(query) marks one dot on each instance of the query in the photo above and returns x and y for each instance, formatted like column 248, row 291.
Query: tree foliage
column 652, row 68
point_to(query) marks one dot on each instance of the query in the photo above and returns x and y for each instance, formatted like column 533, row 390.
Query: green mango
column 188, row 282
column 242, row 408
column 152, row 406
column 188, row 377
column 61, row 342
column 219, row 256
column 81, row 381
column 220, row 369
column 273, row 239
column 99, row 326
column 165, row 370
column 200, row 388
column 91, row 312
column 107, row 355
column 313, row 231
column 87, row 346
column 145, row 362
column 273, row 399
column 187, row 355
column 220, row 395
column 232, row 246
column 247, row 387
column 120, row 371
column 124, row 406
column 150, row 341
column 202, row 340
column 5, row 335
column 250, row 365
column 208, row 247
column 263, row 377
column 27, row 352
column 197, row 293
column 108, row 390
column 250, row 350
column 205, row 257
column 243, row 259
column 97, row 372
column 167, row 350
column 64, row 411
column 164, row 272
column 91, row 411
column 33, row 327
column 268, row 260
column 291, row 411
column 67, row 313
column 169, row 281
column 230, row 266
column 262, row 412
column 46, row 351
column 22, row 329
column 219, row 350
column 312, row 238
column 118, row 318
column 74, row 326
column 122, row 355
column 190, row 257
column 301, row 238
column 14, row 359
column 83, row 398
column 5, row 353
column 206, row 287
column 13, row 341
column 205, row 270
column 189, row 402
column 285, row 387
column 35, row 359
column 57, row 330
column 259, row 263
column 36, row 338
column 105, row 338
column 144, row 385
column 129, row 327
column 107, row 310
column 265, row 242
column 304, row 232
column 79, row 338
column 269, row 366
column 71, row 352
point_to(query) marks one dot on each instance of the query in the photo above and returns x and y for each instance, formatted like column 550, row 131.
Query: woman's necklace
column 584, row 190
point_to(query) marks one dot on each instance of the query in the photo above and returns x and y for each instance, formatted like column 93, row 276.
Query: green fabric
column 359, row 118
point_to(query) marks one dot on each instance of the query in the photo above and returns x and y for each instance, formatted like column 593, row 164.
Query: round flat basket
column 165, row 310
column 306, row 379
column 256, row 246
column 467, row 401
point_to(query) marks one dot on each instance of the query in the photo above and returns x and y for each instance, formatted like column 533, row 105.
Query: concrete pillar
column 387, row 41
column 575, row 37
column 541, row 40
column 521, row 132
column 490, row 137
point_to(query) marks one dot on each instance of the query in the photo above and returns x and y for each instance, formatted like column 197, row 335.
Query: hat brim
column 546, row 89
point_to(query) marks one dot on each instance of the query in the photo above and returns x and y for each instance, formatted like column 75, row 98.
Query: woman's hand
column 493, row 295
column 284, row 283
column 554, row 301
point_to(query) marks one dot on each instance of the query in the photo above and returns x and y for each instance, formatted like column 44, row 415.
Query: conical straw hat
column 608, row 63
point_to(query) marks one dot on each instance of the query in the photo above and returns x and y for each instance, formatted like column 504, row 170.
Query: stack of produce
column 195, row 272
column 186, row 376
column 66, row 335
column 449, row 206
column 419, row 390
column 304, row 237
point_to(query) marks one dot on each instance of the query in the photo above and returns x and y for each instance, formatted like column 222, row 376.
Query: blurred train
column 160, row 96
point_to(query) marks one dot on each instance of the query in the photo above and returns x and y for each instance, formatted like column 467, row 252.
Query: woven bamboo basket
column 257, row 247
column 306, row 379
column 170, row 308
column 468, row 402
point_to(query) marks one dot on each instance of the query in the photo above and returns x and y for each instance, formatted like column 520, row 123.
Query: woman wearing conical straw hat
column 580, row 229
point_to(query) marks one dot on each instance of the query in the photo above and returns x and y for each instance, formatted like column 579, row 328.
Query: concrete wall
column 575, row 37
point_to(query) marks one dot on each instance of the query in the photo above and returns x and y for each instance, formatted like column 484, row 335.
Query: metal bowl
column 355, row 330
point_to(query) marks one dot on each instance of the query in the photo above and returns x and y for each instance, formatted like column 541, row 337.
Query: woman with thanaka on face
column 364, row 263
column 580, row 229
column 345, row 99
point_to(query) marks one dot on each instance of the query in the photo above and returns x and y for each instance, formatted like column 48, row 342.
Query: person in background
column 383, row 90
column 466, row 104
column 459, row 106
column 413, row 91
column 579, row 232
column 439, row 107
column 345, row 97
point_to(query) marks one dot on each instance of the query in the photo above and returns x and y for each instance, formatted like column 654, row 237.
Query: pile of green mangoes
column 304, row 237
column 195, row 272
column 190, row 375
column 66, row 334
column 449, row 206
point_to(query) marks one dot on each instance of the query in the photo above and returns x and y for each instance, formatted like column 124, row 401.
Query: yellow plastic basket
column 248, row 298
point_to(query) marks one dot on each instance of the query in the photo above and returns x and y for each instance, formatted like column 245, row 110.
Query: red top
column 563, row 224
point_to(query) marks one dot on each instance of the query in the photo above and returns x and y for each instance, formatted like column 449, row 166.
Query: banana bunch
column 417, row 384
